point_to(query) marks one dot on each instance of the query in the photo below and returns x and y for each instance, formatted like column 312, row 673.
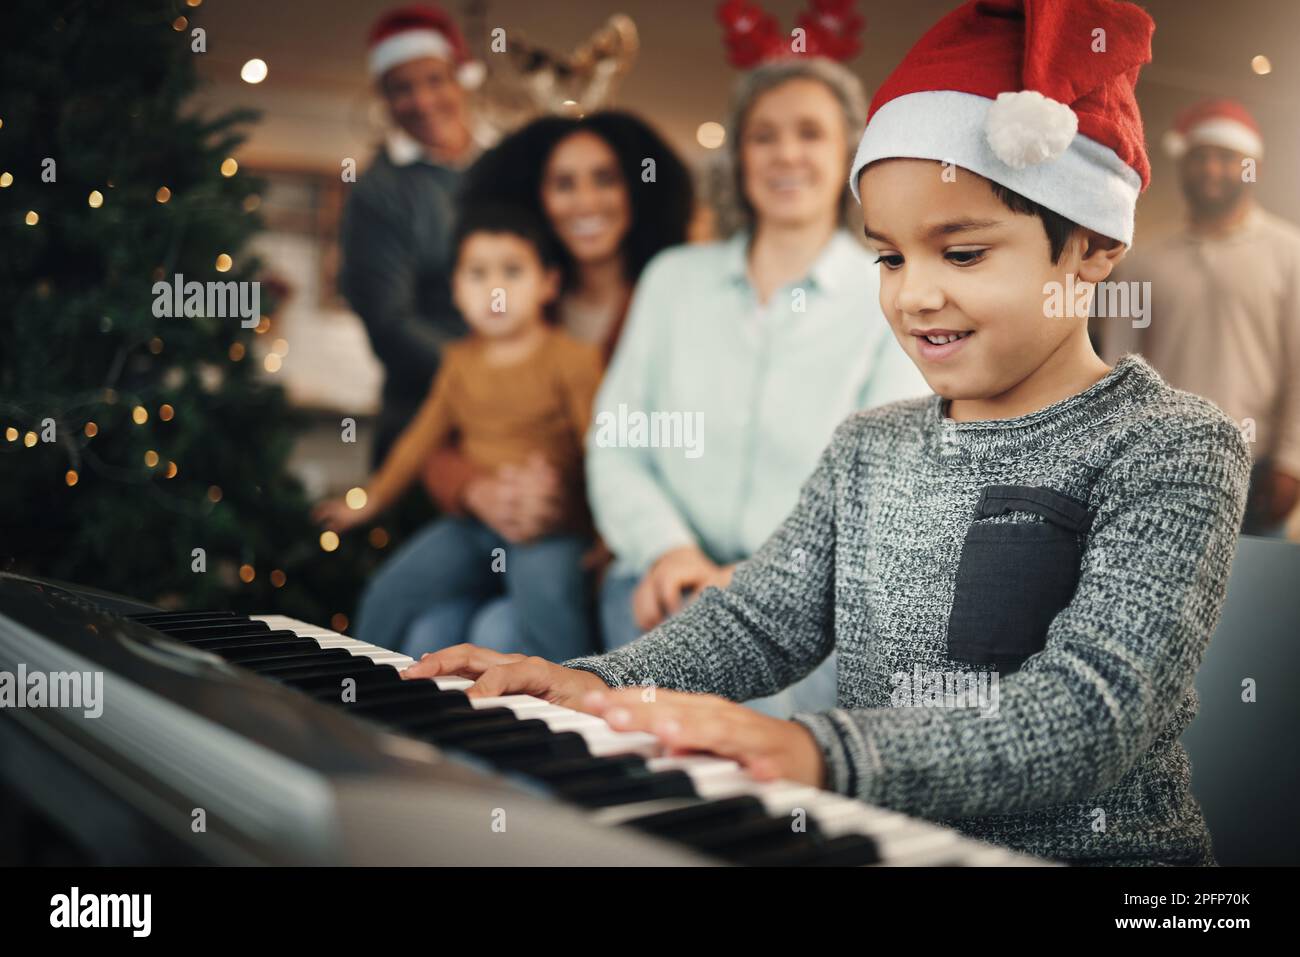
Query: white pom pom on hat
column 1026, row 127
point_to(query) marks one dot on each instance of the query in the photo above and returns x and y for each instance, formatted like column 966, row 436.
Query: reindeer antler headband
column 752, row 36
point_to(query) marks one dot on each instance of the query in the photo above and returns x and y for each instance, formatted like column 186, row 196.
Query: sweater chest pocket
column 1015, row 576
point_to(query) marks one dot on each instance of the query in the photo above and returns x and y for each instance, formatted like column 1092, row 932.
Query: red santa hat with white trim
column 421, row 30
column 1218, row 122
column 1037, row 95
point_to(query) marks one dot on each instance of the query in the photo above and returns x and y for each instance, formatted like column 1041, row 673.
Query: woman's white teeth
column 941, row 340
column 587, row 225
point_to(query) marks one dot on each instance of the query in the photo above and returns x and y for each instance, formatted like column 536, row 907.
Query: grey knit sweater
column 1079, row 553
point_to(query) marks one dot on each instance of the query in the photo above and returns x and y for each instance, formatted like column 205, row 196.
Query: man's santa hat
column 414, row 32
column 1219, row 122
column 1036, row 95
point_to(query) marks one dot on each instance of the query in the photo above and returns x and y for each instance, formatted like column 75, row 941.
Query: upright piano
column 229, row 739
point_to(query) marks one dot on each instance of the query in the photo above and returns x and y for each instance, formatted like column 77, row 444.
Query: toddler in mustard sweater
column 514, row 388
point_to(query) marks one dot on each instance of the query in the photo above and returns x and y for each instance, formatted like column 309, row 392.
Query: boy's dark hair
column 1059, row 229
column 506, row 218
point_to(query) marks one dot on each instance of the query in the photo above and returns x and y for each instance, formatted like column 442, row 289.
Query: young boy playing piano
column 1045, row 519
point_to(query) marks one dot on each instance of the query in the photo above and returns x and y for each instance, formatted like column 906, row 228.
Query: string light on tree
column 70, row 476
column 29, row 439
column 356, row 499
column 166, row 412
column 32, row 217
column 247, row 573
column 224, row 262
column 163, row 194
column 229, row 167
column 96, row 199
column 139, row 415
column 278, row 578
column 6, row 178
column 91, row 430
column 172, row 470
column 329, row 541
column 151, row 458
column 253, row 71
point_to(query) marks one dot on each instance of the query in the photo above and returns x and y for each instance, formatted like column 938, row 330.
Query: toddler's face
column 500, row 285
column 963, row 279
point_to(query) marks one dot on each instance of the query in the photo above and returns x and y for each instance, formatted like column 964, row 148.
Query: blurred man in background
column 398, row 219
column 1224, row 307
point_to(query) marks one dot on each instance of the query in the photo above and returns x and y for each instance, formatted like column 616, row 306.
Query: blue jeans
column 429, row 594
column 816, row 691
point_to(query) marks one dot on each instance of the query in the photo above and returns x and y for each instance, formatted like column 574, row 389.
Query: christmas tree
column 141, row 452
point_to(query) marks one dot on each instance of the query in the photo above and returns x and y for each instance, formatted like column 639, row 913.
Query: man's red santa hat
column 1034, row 94
column 414, row 32
column 1219, row 122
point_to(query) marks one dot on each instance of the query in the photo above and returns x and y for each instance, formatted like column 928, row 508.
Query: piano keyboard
column 709, row 804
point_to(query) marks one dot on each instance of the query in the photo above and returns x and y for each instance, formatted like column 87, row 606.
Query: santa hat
column 1221, row 122
column 1036, row 95
column 410, row 33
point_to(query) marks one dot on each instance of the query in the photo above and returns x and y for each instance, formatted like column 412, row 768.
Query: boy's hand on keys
column 495, row 674
column 768, row 748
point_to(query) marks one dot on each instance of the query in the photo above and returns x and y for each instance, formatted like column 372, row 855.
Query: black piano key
column 737, row 841
column 449, row 718
column 651, row 787
column 329, row 677
column 170, row 617
column 507, row 750
column 847, row 850
column 325, row 681
column 196, row 632
column 432, row 726
column 612, row 767
column 707, row 815
column 242, row 641
column 275, row 656
column 393, row 705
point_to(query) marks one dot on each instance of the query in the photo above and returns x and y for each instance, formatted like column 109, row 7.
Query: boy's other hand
column 495, row 674
column 766, row 747
column 336, row 515
column 660, row 593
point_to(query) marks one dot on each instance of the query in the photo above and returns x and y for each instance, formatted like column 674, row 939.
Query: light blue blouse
column 756, row 391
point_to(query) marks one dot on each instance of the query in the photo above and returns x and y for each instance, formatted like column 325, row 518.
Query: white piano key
column 452, row 683
column 695, row 764
column 517, row 703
